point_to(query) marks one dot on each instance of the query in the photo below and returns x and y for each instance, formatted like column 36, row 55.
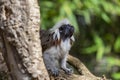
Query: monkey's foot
column 54, row 71
column 68, row 71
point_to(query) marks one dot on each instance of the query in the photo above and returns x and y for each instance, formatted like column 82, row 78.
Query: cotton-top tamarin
column 56, row 43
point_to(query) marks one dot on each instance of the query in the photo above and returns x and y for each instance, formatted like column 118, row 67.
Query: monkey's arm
column 64, row 63
column 46, row 39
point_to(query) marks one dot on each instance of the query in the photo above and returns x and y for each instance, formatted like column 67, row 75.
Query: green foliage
column 117, row 44
column 114, row 62
column 99, row 29
column 97, row 47
column 116, row 76
column 53, row 11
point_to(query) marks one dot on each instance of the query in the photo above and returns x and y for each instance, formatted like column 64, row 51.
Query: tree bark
column 20, row 44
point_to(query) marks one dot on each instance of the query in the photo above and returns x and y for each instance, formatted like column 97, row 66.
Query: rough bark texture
column 20, row 44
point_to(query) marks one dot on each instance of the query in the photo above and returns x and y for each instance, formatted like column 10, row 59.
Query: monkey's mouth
column 69, row 31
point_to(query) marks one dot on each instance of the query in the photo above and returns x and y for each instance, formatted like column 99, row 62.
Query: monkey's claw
column 68, row 71
column 54, row 72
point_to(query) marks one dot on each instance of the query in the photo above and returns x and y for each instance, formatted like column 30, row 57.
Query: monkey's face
column 66, row 31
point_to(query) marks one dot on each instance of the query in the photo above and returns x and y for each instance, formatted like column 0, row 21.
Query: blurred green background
column 97, row 31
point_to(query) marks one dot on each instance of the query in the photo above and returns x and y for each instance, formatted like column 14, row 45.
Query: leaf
column 117, row 44
column 48, row 4
column 105, row 17
column 87, row 17
column 100, row 46
column 113, row 61
column 116, row 76
column 90, row 50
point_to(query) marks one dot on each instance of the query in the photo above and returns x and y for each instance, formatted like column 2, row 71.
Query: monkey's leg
column 63, row 65
column 51, row 64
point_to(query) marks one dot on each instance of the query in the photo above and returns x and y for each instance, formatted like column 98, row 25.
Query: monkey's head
column 62, row 31
column 66, row 31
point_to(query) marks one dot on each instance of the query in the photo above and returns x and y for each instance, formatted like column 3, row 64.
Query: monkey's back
column 46, row 39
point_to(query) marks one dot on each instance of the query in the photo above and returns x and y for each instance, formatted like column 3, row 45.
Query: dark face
column 66, row 31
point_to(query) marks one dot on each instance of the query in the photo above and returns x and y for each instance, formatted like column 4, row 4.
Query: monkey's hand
column 67, row 70
column 53, row 70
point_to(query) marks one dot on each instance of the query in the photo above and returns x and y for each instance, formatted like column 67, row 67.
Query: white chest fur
column 60, row 50
column 65, row 45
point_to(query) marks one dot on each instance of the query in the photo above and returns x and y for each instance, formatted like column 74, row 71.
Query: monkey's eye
column 61, row 29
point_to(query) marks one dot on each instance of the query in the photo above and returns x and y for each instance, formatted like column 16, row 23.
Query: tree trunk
column 19, row 37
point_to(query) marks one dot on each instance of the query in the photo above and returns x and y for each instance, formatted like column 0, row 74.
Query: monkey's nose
column 67, row 31
column 71, row 31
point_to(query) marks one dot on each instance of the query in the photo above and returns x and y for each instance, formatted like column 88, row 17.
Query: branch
column 85, row 74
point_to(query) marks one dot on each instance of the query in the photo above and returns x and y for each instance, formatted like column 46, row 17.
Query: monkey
column 56, row 44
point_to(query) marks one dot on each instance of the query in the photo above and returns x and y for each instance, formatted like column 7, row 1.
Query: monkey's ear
column 56, row 35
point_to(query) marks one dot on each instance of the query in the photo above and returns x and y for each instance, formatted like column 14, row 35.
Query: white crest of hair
column 59, row 24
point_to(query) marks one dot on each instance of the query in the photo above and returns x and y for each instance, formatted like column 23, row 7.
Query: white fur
column 72, row 38
column 61, row 49
column 65, row 45
column 56, row 34
column 57, row 25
